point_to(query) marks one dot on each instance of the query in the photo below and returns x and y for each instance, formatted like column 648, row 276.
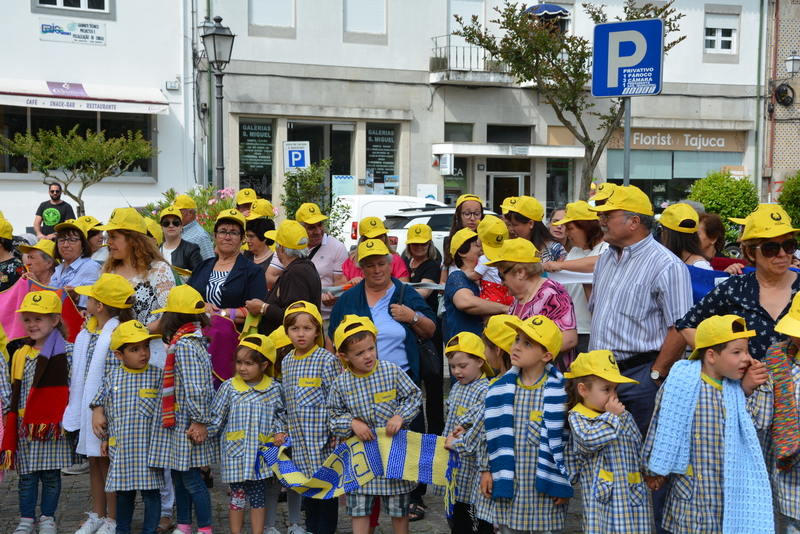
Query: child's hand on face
column 362, row 430
column 615, row 406
column 279, row 438
column 655, row 482
column 755, row 375
column 394, row 425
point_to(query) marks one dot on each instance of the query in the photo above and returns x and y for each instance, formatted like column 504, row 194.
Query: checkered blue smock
column 5, row 386
column 374, row 399
column 111, row 361
column 243, row 418
column 306, row 381
column 130, row 400
column 603, row 453
column 194, row 391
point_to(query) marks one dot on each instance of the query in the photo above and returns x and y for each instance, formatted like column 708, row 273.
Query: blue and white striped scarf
column 551, row 473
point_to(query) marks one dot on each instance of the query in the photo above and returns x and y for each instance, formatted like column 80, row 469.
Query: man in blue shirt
column 192, row 231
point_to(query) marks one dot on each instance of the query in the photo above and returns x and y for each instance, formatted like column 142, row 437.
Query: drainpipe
column 209, row 133
column 756, row 168
column 772, row 97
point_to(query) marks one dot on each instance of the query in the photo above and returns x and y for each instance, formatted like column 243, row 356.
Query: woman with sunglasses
column 763, row 296
column 176, row 251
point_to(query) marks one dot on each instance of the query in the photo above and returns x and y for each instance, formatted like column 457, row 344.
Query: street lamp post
column 218, row 42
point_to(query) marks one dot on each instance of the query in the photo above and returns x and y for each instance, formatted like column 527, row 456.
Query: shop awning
column 493, row 150
column 82, row 97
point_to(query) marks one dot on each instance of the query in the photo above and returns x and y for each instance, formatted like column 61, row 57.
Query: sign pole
column 626, row 158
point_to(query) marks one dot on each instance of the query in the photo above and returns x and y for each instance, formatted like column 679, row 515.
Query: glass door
column 502, row 187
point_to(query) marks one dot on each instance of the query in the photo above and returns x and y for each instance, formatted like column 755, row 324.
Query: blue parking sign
column 628, row 58
column 297, row 158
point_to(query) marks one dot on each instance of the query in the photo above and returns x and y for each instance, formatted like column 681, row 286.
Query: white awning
column 82, row 97
column 492, row 150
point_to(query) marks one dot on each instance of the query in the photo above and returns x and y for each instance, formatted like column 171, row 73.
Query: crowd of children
column 523, row 431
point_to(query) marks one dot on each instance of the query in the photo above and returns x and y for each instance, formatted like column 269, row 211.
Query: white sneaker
column 91, row 525
column 76, row 469
column 272, row 530
column 47, row 525
column 109, row 527
column 296, row 529
column 25, row 526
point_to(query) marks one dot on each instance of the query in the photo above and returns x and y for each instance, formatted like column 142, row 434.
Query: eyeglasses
column 471, row 214
column 225, row 233
column 606, row 216
column 503, row 274
column 166, row 223
column 70, row 240
column 770, row 249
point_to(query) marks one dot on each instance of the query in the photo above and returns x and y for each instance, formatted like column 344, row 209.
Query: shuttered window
column 272, row 13
column 365, row 16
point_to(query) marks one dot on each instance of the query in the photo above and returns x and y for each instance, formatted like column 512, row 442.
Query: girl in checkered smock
column 247, row 412
column 604, row 448
column 179, row 436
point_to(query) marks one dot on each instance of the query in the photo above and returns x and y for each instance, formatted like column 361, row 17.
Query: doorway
column 502, row 186
column 327, row 140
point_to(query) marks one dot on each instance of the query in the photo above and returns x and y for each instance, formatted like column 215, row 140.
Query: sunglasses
column 503, row 274
column 170, row 222
column 770, row 249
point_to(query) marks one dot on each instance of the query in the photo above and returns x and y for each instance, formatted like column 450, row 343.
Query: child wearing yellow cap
column 370, row 394
column 185, row 399
column 109, row 302
column 702, row 436
column 466, row 356
column 604, row 448
column 34, row 443
column 247, row 412
column 123, row 412
column 308, row 373
column 283, row 346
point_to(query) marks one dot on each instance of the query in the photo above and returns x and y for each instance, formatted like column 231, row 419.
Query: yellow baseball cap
column 577, row 211
column 233, row 216
column 627, row 198
column 604, row 191
column 183, row 299
column 171, row 211
column 6, row 230
column 529, row 208
column 290, row 234
column 718, row 329
column 499, row 330
column 40, row 302
column 372, row 247
column 302, row 306
column 246, row 196
column 371, row 227
column 110, row 289
column 261, row 208
column 509, row 203
column 492, row 232
column 790, row 323
column 542, row 330
column 279, row 338
column 351, row 325
column 468, row 196
column 767, row 223
column 261, row 344
column 743, row 220
column 599, row 363
column 88, row 222
column 419, row 233
column 471, row 344
column 185, row 202
column 154, row 229
column 45, row 245
column 517, row 250
column 125, row 219
column 309, row 213
column 680, row 218
column 130, row 332
column 71, row 224
column 459, row 238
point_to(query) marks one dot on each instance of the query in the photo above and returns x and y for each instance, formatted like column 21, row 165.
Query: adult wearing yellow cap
column 11, row 269
column 40, row 261
column 228, row 279
column 75, row 254
column 679, row 226
column 373, row 228
column 762, row 297
column 259, row 222
column 135, row 257
column 177, row 251
column 527, row 222
column 244, row 200
column 192, row 231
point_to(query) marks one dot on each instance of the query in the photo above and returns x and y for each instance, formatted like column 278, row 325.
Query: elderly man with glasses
column 50, row 213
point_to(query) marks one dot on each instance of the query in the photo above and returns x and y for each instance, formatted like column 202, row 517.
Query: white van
column 362, row 206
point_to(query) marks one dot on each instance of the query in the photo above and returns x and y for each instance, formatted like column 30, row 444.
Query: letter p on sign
column 627, row 58
column 617, row 61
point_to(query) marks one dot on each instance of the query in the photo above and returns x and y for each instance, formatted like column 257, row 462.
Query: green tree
column 557, row 64
column 727, row 196
column 78, row 162
column 790, row 198
column 308, row 185
column 210, row 203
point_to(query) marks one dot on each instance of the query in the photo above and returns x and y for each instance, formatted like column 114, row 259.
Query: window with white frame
column 272, row 13
column 365, row 16
column 720, row 33
column 100, row 6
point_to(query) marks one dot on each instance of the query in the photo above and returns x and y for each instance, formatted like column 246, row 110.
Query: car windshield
column 396, row 221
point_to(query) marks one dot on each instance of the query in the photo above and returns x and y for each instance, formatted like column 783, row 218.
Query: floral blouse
column 151, row 291
column 10, row 271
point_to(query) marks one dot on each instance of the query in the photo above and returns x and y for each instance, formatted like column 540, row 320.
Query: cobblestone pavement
column 75, row 502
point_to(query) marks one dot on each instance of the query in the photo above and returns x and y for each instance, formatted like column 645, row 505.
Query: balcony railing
column 451, row 53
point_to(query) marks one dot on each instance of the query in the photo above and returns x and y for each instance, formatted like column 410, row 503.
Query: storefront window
column 382, row 157
column 559, row 179
column 455, row 132
column 256, row 149
column 13, row 120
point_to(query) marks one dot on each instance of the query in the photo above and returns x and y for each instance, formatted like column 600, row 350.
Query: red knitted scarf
column 168, row 391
